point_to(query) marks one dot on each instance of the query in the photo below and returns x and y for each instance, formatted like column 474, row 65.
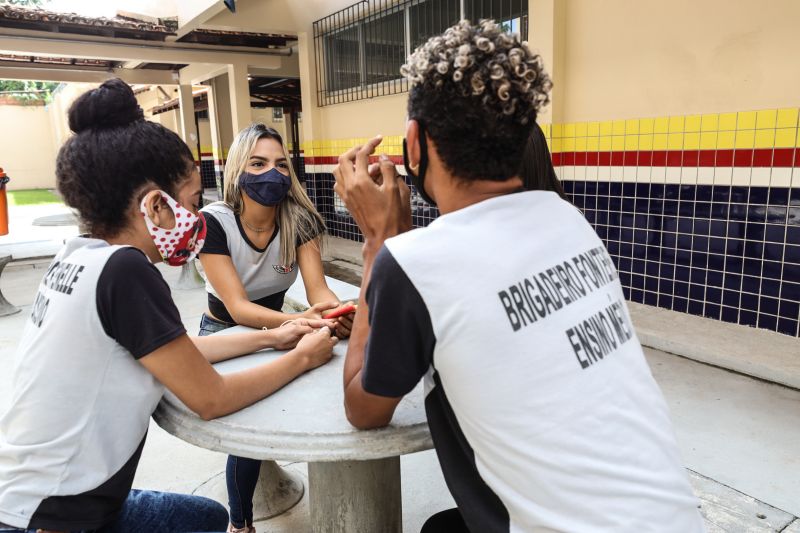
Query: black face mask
column 419, row 179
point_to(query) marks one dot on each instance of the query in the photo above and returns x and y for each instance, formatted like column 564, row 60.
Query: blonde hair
column 296, row 216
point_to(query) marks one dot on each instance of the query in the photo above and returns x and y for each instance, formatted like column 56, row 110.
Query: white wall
column 27, row 148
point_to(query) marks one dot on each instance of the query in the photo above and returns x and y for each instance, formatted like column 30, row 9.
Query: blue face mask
column 268, row 189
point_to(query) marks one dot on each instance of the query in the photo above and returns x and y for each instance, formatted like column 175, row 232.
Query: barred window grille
column 359, row 50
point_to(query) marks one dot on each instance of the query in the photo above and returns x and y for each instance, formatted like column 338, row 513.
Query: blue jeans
column 210, row 326
column 145, row 511
column 241, row 473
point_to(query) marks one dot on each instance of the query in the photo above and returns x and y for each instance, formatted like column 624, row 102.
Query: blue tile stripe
column 729, row 253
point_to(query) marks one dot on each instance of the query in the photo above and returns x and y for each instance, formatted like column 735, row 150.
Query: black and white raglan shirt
column 81, row 402
column 542, row 408
column 264, row 278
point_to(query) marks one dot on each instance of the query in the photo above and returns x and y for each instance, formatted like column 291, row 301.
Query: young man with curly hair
column 541, row 405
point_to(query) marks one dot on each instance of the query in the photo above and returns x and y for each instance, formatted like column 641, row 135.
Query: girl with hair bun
column 104, row 338
column 259, row 237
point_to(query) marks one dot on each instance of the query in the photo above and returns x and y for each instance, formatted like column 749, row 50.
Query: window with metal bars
column 359, row 50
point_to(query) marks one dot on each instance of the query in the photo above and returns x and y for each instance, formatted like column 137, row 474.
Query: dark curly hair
column 113, row 153
column 476, row 90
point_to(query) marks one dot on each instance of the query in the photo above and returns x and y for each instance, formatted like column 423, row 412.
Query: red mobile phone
column 336, row 313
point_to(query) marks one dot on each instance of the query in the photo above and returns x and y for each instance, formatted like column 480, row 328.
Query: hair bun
column 111, row 105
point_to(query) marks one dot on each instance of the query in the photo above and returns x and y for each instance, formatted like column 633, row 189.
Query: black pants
column 449, row 521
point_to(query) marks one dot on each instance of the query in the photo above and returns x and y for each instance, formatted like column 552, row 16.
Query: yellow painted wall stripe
column 766, row 128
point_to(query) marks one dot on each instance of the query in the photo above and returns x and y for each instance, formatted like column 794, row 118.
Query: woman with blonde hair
column 259, row 236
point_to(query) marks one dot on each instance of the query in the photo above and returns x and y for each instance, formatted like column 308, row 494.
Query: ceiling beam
column 275, row 92
column 191, row 14
column 48, row 45
column 85, row 75
column 252, row 40
column 197, row 73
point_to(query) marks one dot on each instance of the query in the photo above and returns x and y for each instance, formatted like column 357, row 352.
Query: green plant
column 28, row 91
column 32, row 197
column 27, row 3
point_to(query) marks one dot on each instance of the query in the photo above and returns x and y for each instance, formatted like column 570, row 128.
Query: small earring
column 414, row 168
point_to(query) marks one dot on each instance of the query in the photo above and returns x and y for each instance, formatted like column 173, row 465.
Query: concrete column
column 216, row 143
column 224, row 118
column 312, row 121
column 546, row 36
column 292, row 139
column 189, row 278
column 308, row 85
column 355, row 496
column 240, row 96
column 287, row 129
column 188, row 128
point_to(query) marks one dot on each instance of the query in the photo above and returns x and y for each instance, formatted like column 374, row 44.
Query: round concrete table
column 353, row 475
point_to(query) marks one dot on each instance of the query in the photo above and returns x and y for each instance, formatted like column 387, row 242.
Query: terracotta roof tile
column 27, row 14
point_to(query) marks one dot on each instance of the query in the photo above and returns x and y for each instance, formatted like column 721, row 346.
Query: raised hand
column 376, row 196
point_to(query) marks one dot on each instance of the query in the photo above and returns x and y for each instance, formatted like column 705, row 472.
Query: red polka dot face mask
column 183, row 242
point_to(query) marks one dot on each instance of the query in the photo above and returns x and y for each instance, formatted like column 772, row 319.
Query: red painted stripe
column 777, row 157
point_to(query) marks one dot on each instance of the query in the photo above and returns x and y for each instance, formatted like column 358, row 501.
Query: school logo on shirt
column 283, row 269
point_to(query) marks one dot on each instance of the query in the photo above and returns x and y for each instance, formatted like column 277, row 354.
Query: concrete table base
column 356, row 496
column 190, row 278
column 278, row 490
column 6, row 308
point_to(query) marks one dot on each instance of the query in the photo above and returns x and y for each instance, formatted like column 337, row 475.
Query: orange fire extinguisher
column 3, row 203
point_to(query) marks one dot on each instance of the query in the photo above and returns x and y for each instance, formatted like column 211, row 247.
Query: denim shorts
column 209, row 325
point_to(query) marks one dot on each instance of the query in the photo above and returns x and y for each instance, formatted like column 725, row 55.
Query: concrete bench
column 296, row 300
column 759, row 353
column 60, row 219
column 727, row 510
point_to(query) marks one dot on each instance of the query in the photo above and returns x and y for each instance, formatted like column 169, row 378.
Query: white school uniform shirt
column 543, row 411
column 81, row 402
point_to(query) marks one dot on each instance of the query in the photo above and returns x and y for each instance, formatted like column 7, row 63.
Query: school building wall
column 674, row 127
